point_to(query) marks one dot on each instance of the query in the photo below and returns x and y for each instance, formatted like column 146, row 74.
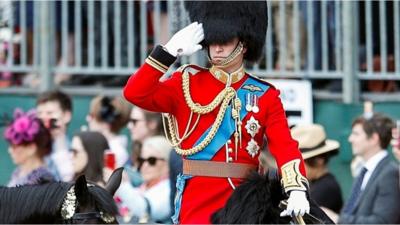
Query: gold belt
column 217, row 169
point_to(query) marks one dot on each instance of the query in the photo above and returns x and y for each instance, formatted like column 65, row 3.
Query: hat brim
column 330, row 146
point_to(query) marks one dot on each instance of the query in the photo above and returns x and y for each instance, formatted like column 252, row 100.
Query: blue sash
column 227, row 127
column 223, row 134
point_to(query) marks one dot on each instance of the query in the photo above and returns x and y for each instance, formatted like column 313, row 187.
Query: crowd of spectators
column 287, row 33
column 43, row 152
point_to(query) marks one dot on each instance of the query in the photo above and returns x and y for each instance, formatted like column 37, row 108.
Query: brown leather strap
column 216, row 169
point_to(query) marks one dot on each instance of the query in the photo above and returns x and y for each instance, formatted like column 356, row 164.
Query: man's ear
column 244, row 47
column 67, row 117
column 375, row 137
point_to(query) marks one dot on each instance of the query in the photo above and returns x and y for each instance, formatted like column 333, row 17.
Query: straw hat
column 312, row 140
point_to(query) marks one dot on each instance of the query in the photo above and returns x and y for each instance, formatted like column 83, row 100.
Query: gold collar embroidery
column 223, row 76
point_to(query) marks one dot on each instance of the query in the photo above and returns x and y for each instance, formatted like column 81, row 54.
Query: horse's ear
column 81, row 189
column 114, row 181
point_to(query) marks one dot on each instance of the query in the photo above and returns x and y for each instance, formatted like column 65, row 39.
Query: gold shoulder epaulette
column 260, row 79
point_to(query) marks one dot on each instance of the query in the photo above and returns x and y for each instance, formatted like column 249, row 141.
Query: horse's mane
column 39, row 203
column 31, row 203
column 256, row 201
column 253, row 202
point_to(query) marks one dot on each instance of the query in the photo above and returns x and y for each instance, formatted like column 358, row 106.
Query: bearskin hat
column 225, row 20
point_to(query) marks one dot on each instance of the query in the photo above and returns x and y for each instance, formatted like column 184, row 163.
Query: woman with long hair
column 88, row 149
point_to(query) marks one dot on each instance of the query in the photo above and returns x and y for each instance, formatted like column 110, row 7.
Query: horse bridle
column 69, row 205
column 82, row 217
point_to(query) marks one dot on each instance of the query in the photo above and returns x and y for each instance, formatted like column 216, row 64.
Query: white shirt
column 371, row 164
column 59, row 161
column 118, row 145
column 157, row 196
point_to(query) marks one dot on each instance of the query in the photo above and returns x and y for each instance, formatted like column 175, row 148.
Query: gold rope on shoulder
column 172, row 134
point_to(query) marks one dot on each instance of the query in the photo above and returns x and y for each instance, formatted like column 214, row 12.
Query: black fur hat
column 225, row 20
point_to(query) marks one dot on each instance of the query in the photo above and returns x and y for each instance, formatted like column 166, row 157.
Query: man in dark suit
column 375, row 196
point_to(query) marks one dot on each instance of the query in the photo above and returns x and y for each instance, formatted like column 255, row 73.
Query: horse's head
column 89, row 203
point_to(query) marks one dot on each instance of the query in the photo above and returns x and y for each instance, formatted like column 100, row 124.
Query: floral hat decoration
column 23, row 128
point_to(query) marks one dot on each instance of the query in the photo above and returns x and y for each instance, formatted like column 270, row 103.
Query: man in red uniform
column 218, row 117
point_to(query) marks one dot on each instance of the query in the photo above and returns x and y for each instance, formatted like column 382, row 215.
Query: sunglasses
column 74, row 151
column 151, row 160
column 134, row 121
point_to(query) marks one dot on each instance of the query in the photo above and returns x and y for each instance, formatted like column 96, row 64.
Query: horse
column 258, row 200
column 61, row 202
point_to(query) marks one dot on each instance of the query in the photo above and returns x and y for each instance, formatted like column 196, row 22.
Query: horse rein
column 82, row 217
column 297, row 219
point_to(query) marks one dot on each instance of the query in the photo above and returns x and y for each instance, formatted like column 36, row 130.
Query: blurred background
column 349, row 51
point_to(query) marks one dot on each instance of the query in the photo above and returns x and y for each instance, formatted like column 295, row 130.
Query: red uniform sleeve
column 144, row 87
column 280, row 142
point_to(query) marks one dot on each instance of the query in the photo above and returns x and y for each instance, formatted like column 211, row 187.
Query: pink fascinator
column 23, row 128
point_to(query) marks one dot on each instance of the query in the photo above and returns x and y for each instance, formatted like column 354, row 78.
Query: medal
column 255, row 108
column 252, row 148
column 249, row 108
column 252, row 126
column 248, row 103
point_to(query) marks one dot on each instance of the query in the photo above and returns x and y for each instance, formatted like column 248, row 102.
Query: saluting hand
column 186, row 41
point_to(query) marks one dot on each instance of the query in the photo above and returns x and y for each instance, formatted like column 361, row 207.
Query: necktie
column 355, row 192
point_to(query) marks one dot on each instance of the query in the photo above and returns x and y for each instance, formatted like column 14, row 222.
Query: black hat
column 225, row 20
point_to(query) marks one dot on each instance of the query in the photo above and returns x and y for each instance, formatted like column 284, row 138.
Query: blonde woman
column 150, row 201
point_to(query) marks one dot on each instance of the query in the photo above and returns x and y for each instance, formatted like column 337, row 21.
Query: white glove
column 297, row 204
column 186, row 41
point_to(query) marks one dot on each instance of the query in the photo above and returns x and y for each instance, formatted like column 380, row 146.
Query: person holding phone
column 54, row 108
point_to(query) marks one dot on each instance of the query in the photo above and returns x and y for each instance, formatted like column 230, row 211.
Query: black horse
column 79, row 202
column 257, row 201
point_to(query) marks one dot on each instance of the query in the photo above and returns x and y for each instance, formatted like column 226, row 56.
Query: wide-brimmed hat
column 312, row 140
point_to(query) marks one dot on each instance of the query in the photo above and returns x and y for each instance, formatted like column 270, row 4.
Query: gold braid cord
column 223, row 98
column 196, row 107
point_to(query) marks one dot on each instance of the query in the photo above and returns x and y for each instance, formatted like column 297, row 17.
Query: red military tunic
column 204, row 195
